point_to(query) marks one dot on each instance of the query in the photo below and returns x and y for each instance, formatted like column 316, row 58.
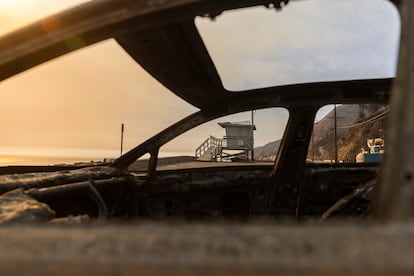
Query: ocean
column 52, row 156
column 55, row 156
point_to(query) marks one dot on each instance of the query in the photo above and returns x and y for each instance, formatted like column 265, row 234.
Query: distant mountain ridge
column 267, row 152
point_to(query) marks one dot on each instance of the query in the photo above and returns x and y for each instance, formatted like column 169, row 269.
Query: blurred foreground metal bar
column 395, row 195
column 210, row 248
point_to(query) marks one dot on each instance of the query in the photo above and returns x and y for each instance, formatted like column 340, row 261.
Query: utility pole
column 335, row 136
column 335, row 117
column 252, row 137
column 122, row 137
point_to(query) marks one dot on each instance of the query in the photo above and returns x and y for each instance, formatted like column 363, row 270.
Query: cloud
column 307, row 41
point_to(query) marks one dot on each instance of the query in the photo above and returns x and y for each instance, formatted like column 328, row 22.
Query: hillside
column 267, row 152
column 351, row 142
column 351, row 135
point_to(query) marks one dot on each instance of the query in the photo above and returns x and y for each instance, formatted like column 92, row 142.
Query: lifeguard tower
column 236, row 145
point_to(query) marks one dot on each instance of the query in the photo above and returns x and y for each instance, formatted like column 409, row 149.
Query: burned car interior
column 161, row 36
column 288, row 215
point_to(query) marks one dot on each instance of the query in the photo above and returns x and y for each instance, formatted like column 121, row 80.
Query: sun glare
column 17, row 13
column 9, row 6
column 9, row 160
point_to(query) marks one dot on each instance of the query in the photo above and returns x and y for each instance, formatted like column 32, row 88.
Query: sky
column 72, row 107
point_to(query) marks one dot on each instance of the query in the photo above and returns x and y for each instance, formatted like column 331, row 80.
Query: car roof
column 162, row 37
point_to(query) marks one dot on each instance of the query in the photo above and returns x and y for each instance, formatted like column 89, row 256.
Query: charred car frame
column 287, row 188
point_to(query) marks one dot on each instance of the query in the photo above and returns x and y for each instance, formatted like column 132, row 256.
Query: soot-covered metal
column 289, row 187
